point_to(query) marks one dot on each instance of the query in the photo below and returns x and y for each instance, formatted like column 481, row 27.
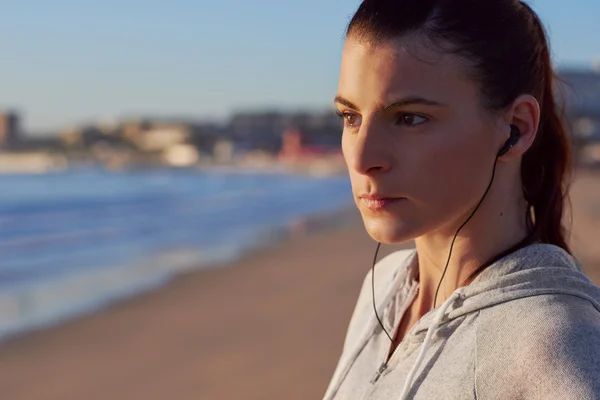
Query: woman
column 452, row 138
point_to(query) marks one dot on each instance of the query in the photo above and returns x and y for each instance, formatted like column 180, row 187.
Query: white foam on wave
column 51, row 302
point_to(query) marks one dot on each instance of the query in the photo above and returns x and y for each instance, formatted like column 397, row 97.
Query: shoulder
column 545, row 346
column 387, row 270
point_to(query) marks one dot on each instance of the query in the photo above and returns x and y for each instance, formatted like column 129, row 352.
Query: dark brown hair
column 506, row 51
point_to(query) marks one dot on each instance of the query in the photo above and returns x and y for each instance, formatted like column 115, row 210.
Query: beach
column 268, row 326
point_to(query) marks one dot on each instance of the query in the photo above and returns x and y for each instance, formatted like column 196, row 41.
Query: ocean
column 76, row 241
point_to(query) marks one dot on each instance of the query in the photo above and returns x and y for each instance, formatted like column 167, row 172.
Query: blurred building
column 162, row 136
column 266, row 130
column 134, row 129
column 223, row 151
column 296, row 147
column 88, row 136
column 581, row 92
column 258, row 131
column 180, row 142
column 10, row 129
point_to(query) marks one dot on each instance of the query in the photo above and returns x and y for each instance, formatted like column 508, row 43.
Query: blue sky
column 69, row 62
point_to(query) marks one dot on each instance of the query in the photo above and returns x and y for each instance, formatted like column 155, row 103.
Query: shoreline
column 146, row 275
column 42, row 163
column 269, row 325
column 263, row 327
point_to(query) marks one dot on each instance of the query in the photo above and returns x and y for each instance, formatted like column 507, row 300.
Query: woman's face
column 417, row 141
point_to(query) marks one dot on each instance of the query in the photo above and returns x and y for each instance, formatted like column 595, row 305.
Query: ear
column 525, row 114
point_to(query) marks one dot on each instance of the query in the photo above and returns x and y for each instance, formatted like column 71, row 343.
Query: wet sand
column 269, row 326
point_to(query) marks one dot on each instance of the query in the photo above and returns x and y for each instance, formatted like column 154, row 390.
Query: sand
column 269, row 326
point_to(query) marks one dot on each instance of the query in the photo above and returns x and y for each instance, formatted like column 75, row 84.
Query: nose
column 367, row 152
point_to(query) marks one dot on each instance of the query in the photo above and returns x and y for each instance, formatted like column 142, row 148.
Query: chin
column 389, row 230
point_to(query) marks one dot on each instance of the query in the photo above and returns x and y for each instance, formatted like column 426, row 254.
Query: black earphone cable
column 462, row 226
column 373, row 291
column 449, row 255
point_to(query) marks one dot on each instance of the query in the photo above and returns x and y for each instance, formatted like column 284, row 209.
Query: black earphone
column 515, row 134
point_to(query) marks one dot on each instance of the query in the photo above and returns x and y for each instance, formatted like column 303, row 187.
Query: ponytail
column 546, row 167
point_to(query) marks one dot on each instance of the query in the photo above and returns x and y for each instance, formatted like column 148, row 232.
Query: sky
column 71, row 62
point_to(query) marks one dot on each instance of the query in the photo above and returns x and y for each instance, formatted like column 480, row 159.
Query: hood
column 533, row 270
column 537, row 269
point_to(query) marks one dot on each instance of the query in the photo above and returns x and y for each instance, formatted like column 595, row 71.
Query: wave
column 99, row 237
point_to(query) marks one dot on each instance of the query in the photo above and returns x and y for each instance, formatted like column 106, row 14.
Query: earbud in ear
column 515, row 134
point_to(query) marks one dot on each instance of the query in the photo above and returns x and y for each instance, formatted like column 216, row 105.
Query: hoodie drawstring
column 439, row 315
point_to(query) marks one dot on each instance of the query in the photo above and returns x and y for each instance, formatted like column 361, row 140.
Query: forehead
column 382, row 72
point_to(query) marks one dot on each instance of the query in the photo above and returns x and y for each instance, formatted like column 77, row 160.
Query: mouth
column 378, row 203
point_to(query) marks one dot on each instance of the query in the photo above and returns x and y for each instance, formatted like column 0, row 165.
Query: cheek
column 443, row 178
column 348, row 153
column 454, row 176
column 345, row 149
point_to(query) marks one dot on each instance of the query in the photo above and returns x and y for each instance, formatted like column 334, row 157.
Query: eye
column 411, row 120
column 351, row 120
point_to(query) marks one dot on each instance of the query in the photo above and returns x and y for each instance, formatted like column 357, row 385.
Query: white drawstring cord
column 432, row 328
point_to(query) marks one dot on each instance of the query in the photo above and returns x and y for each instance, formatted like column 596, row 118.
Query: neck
column 496, row 227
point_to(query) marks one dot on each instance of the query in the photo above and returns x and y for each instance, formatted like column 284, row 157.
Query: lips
column 379, row 203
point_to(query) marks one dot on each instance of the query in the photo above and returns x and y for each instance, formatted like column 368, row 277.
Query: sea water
column 75, row 241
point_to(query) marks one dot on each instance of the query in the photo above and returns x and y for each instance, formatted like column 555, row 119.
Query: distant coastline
column 255, row 163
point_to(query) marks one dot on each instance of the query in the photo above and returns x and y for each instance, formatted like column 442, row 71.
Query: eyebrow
column 407, row 101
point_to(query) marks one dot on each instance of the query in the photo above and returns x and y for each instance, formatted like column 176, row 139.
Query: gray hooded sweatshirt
column 528, row 327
